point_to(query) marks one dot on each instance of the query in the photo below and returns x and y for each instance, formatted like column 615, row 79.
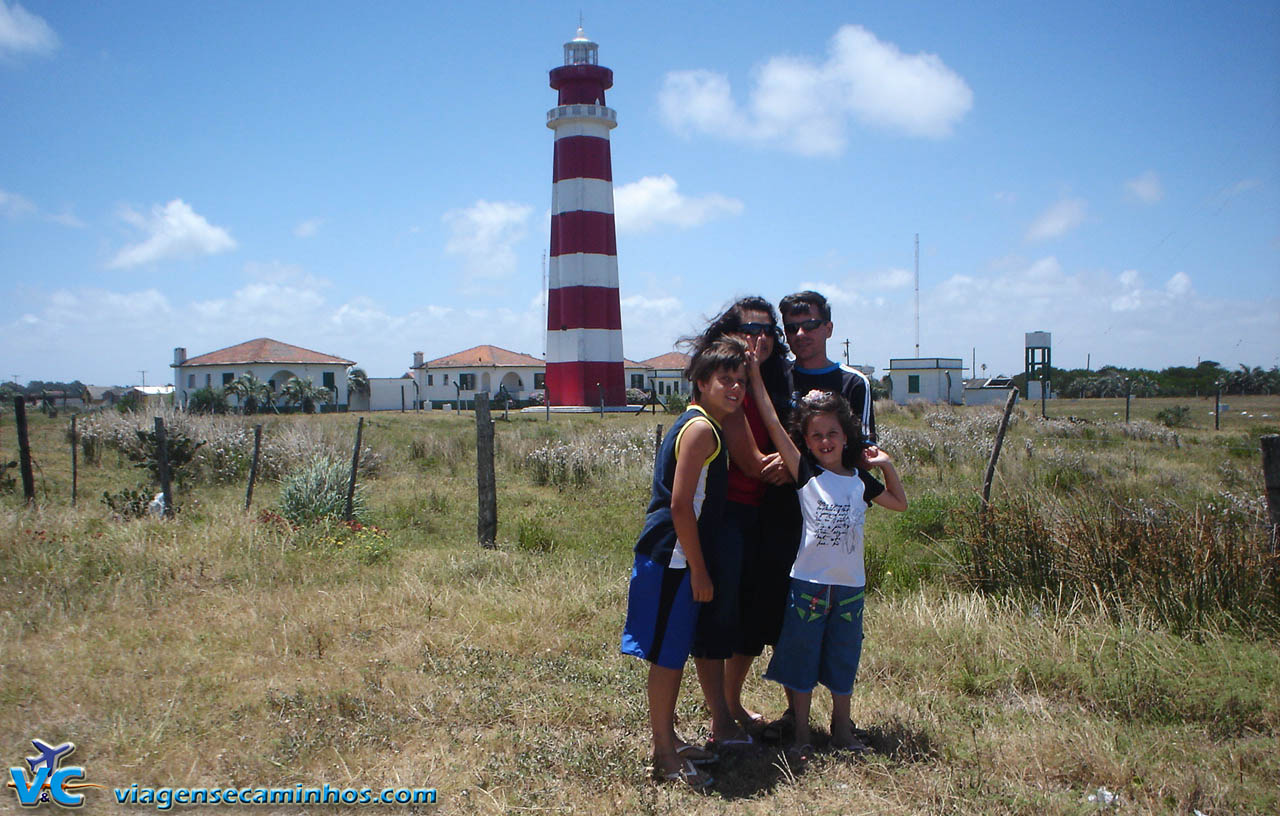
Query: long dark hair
column 825, row 402
column 773, row 369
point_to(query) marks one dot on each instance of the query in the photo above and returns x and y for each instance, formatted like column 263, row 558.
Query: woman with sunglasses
column 733, row 628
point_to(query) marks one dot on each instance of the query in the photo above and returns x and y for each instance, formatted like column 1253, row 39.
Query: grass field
column 224, row 648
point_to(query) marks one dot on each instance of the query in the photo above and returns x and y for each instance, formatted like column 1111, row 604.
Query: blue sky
column 373, row 180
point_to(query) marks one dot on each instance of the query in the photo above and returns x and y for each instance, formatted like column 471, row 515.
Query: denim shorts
column 821, row 640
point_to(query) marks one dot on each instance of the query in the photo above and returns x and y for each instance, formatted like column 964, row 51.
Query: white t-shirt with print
column 834, row 509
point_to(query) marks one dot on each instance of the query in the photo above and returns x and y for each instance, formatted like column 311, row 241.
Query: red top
column 742, row 488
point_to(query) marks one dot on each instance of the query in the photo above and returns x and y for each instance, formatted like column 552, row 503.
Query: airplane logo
column 44, row 780
column 50, row 757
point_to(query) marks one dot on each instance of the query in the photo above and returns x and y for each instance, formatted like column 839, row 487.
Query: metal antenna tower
column 917, row 295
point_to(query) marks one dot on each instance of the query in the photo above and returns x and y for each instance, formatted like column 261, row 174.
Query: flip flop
column 687, row 774
column 733, row 742
column 697, row 755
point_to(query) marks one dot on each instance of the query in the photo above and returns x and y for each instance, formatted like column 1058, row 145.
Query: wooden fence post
column 24, row 449
column 74, row 460
column 486, row 487
column 253, row 465
column 162, row 459
column 995, row 450
column 1271, row 476
column 355, row 463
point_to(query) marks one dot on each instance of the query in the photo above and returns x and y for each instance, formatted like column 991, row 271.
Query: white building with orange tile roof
column 269, row 360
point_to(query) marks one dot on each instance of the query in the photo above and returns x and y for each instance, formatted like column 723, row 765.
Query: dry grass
column 220, row 648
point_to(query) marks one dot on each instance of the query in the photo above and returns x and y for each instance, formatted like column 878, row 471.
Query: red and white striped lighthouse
column 584, row 318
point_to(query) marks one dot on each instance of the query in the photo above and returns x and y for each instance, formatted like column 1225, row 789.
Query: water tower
column 1038, row 364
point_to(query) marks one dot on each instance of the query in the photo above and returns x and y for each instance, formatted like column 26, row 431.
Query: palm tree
column 357, row 383
column 252, row 392
column 304, row 393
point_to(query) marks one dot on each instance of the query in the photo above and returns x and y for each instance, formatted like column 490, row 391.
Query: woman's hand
column 700, row 584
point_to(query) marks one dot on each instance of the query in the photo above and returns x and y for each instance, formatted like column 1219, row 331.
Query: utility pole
column 846, row 352
column 143, row 372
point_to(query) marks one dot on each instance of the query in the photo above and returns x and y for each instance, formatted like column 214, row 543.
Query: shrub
column 318, row 490
column 1175, row 416
column 207, row 401
column 1185, row 568
column 180, row 451
column 637, row 396
column 127, row 503
column 533, row 536
column 677, row 403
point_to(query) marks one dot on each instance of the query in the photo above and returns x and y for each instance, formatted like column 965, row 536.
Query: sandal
column 754, row 725
column 697, row 755
column 779, row 729
column 854, row 746
column 687, row 774
column 798, row 755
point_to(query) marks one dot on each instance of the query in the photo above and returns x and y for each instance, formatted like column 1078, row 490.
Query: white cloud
column 835, row 294
column 13, row 205
column 895, row 278
column 1058, row 220
column 23, row 32
column 804, row 106
column 655, row 200
column 1146, row 187
column 173, row 231
column 1179, row 284
column 308, row 228
column 482, row 236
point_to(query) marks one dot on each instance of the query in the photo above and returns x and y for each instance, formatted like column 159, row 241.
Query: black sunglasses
column 808, row 325
column 753, row 329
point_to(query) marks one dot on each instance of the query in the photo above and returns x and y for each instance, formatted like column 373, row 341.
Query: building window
column 327, row 380
column 637, row 381
column 539, row 380
column 430, row 379
column 913, row 383
column 191, row 381
column 208, row 381
column 467, row 382
column 227, row 377
column 446, row 379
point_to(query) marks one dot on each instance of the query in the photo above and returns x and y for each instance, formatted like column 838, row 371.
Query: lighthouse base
column 586, row 383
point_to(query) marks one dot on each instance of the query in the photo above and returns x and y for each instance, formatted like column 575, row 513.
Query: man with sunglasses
column 806, row 319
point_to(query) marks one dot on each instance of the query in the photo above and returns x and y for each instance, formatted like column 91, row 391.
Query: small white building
column 269, row 360
column 666, row 373
column 988, row 391
column 928, row 379
column 490, row 369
